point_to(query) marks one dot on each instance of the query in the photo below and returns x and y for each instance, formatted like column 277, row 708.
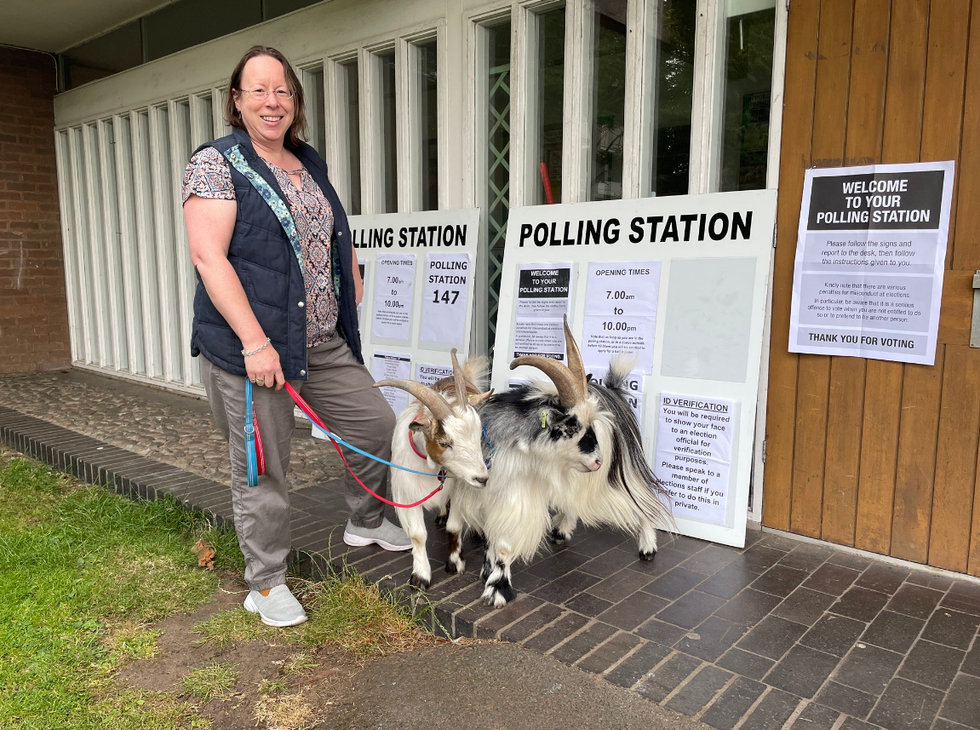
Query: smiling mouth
column 271, row 119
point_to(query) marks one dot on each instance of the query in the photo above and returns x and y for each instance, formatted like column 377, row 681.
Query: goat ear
column 417, row 427
column 477, row 399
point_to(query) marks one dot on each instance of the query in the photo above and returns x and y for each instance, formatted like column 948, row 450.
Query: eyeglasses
column 262, row 94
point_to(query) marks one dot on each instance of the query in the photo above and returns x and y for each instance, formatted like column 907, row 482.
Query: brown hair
column 297, row 130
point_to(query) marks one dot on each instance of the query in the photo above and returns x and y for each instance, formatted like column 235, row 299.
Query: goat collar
column 411, row 442
column 490, row 446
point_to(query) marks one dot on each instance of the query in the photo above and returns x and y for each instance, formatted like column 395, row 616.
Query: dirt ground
column 442, row 685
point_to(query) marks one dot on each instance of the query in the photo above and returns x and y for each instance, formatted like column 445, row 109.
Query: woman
column 276, row 301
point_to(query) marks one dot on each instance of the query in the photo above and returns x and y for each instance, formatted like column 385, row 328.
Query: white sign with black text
column 678, row 283
column 447, row 292
column 621, row 311
column 387, row 365
column 420, row 287
column 428, row 374
column 542, row 303
column 394, row 281
column 694, row 455
column 870, row 259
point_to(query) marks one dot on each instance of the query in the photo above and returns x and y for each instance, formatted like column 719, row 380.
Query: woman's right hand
column 263, row 368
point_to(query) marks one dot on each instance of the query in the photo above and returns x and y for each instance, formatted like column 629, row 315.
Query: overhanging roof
column 57, row 25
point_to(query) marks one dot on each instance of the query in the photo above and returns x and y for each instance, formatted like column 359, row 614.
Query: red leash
column 303, row 406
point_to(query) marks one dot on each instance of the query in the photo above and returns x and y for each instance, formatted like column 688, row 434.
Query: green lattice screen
column 498, row 186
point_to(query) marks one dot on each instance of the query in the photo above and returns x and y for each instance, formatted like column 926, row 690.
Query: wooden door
column 879, row 455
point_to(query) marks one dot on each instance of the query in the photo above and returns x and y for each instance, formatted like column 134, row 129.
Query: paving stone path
column 780, row 635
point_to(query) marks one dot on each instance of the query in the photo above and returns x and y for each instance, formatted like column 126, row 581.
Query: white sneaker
column 386, row 535
column 279, row 608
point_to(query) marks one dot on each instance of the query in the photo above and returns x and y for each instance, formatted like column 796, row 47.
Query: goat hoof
column 454, row 567
column 441, row 520
column 557, row 537
column 419, row 582
column 648, row 556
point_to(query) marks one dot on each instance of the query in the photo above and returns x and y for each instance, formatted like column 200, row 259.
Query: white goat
column 441, row 431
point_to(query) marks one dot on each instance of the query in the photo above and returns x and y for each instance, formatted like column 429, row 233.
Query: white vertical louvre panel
column 708, row 86
column 641, row 90
column 180, row 152
column 146, row 243
column 129, row 253
column 83, row 269
column 112, row 272
column 96, row 244
column 218, row 97
column 202, row 120
column 166, row 248
column 69, row 237
column 406, row 129
column 337, row 152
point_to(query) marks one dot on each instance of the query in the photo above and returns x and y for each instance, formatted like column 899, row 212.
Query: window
column 428, row 123
column 674, row 92
column 388, row 141
column 549, row 105
column 351, row 132
column 312, row 79
column 496, row 93
column 608, row 100
column 749, row 31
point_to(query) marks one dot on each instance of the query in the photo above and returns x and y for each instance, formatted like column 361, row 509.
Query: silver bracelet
column 258, row 349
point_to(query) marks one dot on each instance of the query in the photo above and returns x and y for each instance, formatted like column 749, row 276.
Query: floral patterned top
column 208, row 175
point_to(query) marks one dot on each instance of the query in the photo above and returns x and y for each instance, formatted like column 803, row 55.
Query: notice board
column 418, row 271
column 682, row 283
column 870, row 258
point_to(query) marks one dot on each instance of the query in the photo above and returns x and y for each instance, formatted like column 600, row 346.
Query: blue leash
column 251, row 457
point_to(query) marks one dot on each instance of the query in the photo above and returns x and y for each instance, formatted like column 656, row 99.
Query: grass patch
column 75, row 560
column 284, row 712
column 131, row 641
column 210, row 682
column 343, row 611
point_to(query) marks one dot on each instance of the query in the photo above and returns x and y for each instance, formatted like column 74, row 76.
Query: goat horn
column 460, row 380
column 569, row 393
column 575, row 359
column 425, row 395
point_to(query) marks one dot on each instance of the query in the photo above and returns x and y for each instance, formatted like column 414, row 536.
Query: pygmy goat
column 573, row 446
column 441, row 431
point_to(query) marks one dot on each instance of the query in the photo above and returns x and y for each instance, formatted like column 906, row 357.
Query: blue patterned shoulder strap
column 272, row 199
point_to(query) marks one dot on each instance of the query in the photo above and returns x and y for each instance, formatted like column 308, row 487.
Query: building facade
column 444, row 104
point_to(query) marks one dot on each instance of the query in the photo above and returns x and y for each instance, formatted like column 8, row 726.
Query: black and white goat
column 441, row 431
column 569, row 445
column 536, row 435
column 624, row 494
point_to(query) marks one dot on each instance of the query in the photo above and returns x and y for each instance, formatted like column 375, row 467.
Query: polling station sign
column 870, row 258
column 676, row 285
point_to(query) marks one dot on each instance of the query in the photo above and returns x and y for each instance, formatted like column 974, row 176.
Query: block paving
column 780, row 634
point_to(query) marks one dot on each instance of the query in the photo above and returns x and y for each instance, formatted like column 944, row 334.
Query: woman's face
column 267, row 117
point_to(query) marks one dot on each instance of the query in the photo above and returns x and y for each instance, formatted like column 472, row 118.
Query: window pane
column 389, row 171
column 429, row 125
column 352, row 123
column 608, row 100
column 551, row 87
column 675, row 85
column 498, row 162
column 315, row 112
column 748, row 82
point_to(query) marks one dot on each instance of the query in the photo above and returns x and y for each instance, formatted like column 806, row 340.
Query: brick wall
column 33, row 307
